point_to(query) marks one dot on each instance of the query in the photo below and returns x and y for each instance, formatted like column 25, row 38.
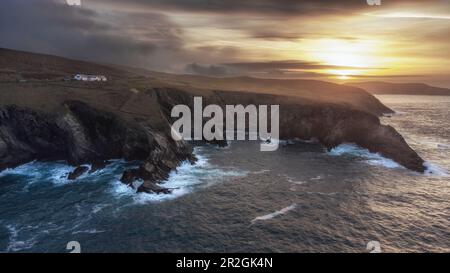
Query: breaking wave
column 15, row 244
column 274, row 214
column 293, row 180
column 35, row 171
column 370, row 158
column 183, row 180
column 434, row 170
column 57, row 172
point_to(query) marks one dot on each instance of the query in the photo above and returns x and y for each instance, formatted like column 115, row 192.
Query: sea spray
column 185, row 179
column 370, row 158
column 435, row 170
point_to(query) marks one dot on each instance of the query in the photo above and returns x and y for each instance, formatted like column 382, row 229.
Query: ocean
column 300, row 198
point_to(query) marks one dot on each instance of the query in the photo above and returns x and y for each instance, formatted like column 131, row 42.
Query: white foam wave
column 316, row 178
column 370, row 158
column 293, row 180
column 274, row 214
column 36, row 171
column 14, row 243
column 182, row 181
column 97, row 208
column 57, row 172
column 89, row 231
column 435, row 170
column 396, row 113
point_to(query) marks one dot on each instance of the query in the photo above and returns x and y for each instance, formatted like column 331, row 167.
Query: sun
column 344, row 74
column 346, row 58
column 346, row 53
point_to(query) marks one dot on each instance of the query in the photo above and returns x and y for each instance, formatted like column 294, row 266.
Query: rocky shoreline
column 81, row 134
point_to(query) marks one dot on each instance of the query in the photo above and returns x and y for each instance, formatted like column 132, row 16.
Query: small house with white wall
column 90, row 78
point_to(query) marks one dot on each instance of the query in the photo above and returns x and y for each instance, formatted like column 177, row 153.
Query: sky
column 341, row 41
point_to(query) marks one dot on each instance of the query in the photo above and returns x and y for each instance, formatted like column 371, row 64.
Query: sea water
column 300, row 198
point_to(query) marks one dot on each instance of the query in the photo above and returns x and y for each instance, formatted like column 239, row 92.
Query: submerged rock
column 98, row 165
column 129, row 176
column 80, row 170
column 152, row 187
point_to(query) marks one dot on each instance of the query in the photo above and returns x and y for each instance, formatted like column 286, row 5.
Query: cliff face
column 330, row 124
column 81, row 134
column 333, row 125
column 26, row 135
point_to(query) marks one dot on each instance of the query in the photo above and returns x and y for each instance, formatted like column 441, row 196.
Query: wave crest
column 370, row 158
column 274, row 214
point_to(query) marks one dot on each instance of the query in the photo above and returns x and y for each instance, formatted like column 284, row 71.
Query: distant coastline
column 378, row 88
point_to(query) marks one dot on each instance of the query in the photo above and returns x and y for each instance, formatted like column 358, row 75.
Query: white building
column 90, row 78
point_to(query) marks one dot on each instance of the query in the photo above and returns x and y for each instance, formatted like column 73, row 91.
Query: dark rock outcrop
column 98, row 165
column 129, row 176
column 79, row 171
column 334, row 125
column 151, row 187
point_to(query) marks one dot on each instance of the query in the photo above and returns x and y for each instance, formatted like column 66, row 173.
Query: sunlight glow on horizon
column 416, row 15
column 391, row 42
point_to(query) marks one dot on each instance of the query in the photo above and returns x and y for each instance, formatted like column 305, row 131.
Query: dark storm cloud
column 281, row 65
column 274, row 35
column 263, row 7
column 274, row 69
column 211, row 70
column 226, row 71
column 55, row 28
column 144, row 33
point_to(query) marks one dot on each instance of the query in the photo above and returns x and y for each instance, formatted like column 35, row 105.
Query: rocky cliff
column 81, row 134
column 331, row 124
